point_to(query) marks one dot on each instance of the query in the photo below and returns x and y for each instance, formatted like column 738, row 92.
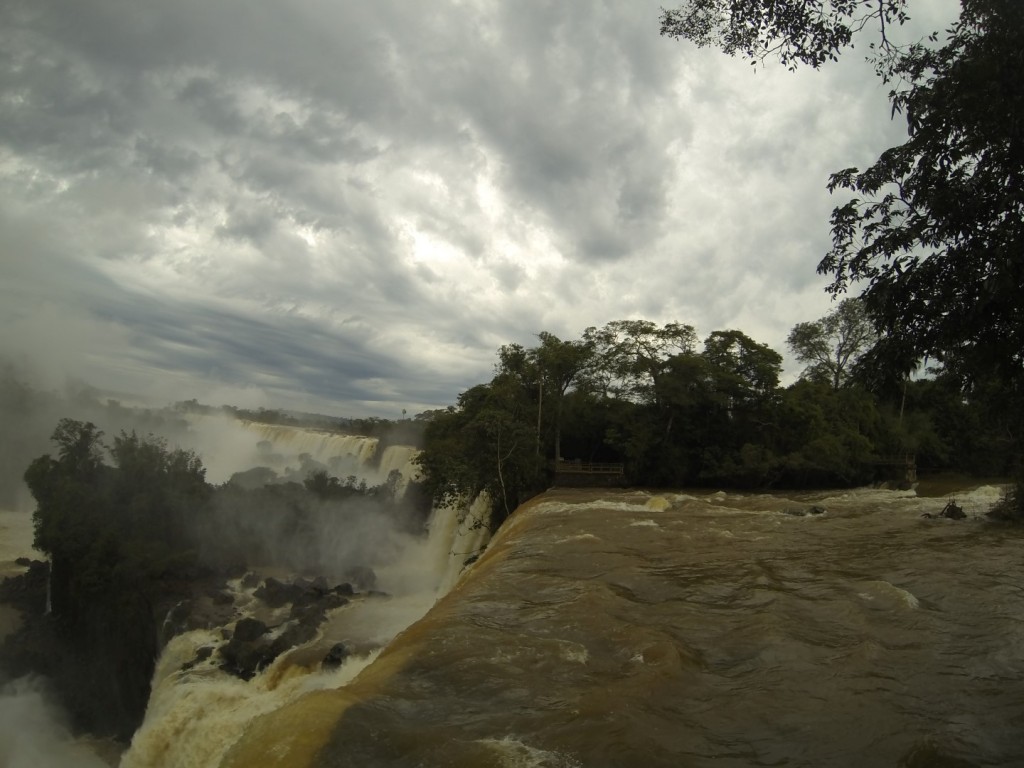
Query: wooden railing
column 901, row 460
column 588, row 468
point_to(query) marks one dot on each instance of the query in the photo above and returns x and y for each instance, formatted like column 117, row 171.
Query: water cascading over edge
column 197, row 710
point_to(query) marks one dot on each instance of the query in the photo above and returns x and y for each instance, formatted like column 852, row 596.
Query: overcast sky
column 347, row 207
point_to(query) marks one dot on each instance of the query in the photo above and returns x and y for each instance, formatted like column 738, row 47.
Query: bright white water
column 227, row 446
column 195, row 715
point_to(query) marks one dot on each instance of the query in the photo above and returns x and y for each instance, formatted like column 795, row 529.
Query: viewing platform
column 577, row 473
column 900, row 469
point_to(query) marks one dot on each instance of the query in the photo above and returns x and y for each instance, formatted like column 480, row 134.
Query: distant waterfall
column 292, row 449
column 227, row 446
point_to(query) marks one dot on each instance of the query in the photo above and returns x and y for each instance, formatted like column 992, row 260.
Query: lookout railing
column 901, row 467
column 563, row 466
column 898, row 460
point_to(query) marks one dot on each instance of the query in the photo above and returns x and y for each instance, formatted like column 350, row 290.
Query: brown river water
column 606, row 628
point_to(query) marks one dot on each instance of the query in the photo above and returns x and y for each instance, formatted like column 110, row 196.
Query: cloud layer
column 349, row 206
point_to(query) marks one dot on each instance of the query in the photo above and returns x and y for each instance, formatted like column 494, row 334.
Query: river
column 671, row 629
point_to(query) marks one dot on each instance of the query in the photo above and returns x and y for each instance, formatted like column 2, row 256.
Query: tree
column 561, row 365
column 631, row 355
column 747, row 370
column 807, row 32
column 831, row 345
column 485, row 443
column 936, row 226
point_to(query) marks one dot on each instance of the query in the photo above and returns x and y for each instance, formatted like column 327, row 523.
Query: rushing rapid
column 625, row 629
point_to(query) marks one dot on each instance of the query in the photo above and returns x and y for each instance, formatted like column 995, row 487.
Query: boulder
column 248, row 650
column 337, row 655
column 276, row 593
column 248, row 629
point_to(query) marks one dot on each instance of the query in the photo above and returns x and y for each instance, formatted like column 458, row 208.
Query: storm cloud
column 347, row 207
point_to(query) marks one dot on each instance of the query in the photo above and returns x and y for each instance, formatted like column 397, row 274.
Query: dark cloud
column 352, row 205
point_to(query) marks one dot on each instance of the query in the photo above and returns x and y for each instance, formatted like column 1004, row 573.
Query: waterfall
column 197, row 710
column 228, row 446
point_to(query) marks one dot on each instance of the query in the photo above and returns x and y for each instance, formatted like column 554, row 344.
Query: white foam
column 513, row 753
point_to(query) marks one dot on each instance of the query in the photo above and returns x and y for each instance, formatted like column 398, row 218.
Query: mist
column 33, row 732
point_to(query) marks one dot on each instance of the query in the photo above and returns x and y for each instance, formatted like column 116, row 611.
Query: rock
column 362, row 578
column 24, row 562
column 297, row 634
column 953, row 511
column 246, row 659
column 276, row 593
column 176, row 621
column 250, row 580
column 333, row 600
column 317, row 585
column 804, row 511
column 248, row 651
column 201, row 655
column 248, row 629
column 337, row 655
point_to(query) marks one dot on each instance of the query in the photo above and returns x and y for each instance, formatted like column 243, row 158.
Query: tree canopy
column 830, row 346
column 935, row 227
column 807, row 32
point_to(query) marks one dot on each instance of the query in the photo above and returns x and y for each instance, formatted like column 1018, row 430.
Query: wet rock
column 248, row 629
column 250, row 580
column 337, row 655
column 176, row 621
column 248, row 651
column 318, row 585
column 201, row 655
column 276, row 593
column 297, row 634
column 804, row 511
column 244, row 660
column 362, row 578
column 953, row 511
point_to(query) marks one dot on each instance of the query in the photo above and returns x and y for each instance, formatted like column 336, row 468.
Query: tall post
column 540, row 405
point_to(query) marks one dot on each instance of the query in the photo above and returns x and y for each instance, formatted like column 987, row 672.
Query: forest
column 930, row 235
column 680, row 412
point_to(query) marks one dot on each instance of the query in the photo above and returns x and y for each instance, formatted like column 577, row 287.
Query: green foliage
column 831, row 346
column 807, row 32
column 936, row 225
column 113, row 527
column 487, row 443
column 827, row 437
column 642, row 394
